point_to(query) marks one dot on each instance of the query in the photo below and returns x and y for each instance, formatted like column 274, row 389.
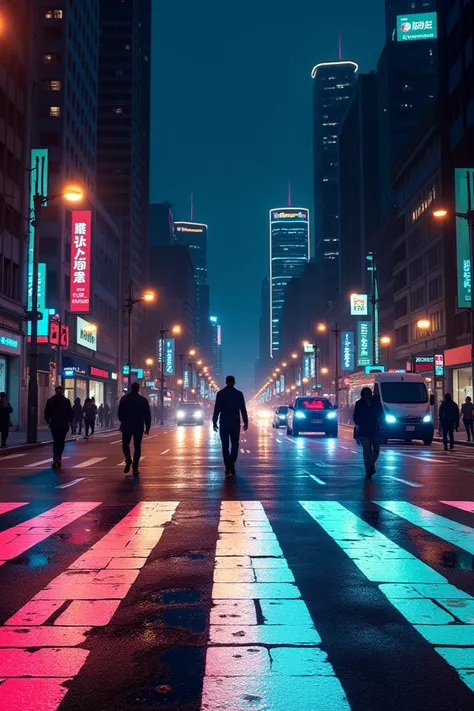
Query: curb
column 27, row 446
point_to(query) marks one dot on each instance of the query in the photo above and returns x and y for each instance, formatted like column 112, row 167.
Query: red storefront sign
column 98, row 372
column 80, row 261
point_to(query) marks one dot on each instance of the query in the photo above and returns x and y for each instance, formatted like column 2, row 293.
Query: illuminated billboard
column 364, row 343
column 359, row 304
column 463, row 177
column 422, row 26
column 80, row 280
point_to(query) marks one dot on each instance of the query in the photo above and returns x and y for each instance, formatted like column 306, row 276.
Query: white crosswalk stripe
column 41, row 463
column 89, row 462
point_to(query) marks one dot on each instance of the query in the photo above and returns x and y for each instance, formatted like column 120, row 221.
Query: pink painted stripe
column 5, row 508
column 463, row 505
column 18, row 539
column 90, row 594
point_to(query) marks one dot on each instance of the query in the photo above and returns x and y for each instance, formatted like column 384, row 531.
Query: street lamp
column 322, row 328
column 70, row 194
column 386, row 341
column 90, row 328
column 324, row 371
column 148, row 297
column 163, row 332
column 423, row 324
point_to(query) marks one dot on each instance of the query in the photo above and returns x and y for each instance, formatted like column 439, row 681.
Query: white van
column 406, row 405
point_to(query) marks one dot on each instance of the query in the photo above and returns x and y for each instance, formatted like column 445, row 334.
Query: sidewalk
column 17, row 440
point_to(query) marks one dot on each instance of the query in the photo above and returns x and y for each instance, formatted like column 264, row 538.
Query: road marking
column 318, row 481
column 354, row 451
column 242, row 451
column 248, row 451
column 11, row 456
column 463, row 505
column 280, row 441
column 165, row 452
column 122, row 463
column 151, row 436
column 421, row 594
column 118, row 441
column 321, row 465
column 40, row 464
column 5, row 508
column 89, row 462
column 71, row 483
column 87, row 596
column 404, row 481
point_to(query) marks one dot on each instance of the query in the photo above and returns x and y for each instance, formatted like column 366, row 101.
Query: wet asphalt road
column 298, row 585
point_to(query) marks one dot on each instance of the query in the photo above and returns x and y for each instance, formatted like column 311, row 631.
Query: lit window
column 52, row 85
column 53, row 14
column 50, row 58
column 55, row 111
column 117, row 110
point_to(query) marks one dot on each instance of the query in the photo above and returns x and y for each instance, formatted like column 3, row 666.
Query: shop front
column 458, row 365
column 84, row 380
column 10, row 370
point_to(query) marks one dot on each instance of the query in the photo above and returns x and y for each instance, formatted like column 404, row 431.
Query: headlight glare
column 300, row 415
column 332, row 415
column 390, row 419
column 180, row 415
column 427, row 418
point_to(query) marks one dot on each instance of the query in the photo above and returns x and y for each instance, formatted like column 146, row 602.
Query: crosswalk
column 269, row 645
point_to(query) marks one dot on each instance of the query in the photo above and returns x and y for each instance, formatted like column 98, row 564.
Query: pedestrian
column 78, row 416
column 135, row 417
column 449, row 420
column 367, row 417
column 101, row 415
column 229, row 408
column 107, row 414
column 5, row 423
column 59, row 416
column 89, row 411
column 467, row 414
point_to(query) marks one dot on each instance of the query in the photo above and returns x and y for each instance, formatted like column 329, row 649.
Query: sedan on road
column 312, row 414
column 189, row 413
column 280, row 417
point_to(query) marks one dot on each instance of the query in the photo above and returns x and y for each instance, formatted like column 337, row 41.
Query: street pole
column 470, row 222
column 317, row 359
column 130, row 322
column 32, row 420
column 162, row 375
column 337, row 334
column 375, row 308
column 181, row 374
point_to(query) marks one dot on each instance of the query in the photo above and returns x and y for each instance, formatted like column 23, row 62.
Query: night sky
column 231, row 121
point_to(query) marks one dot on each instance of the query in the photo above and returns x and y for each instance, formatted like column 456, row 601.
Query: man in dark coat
column 229, row 407
column 449, row 420
column 5, row 411
column 59, row 416
column 135, row 417
column 367, row 416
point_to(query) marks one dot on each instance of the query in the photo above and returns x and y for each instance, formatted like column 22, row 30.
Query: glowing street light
column 424, row 324
column 324, row 371
column 72, row 193
column 149, row 297
column 321, row 328
column 192, row 352
column 90, row 328
column 385, row 340
column 149, row 362
column 440, row 213
column 294, row 356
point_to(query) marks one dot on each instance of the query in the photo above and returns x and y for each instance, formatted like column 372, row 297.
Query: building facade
column 289, row 253
column 216, row 330
column 194, row 235
column 161, row 224
column 333, row 83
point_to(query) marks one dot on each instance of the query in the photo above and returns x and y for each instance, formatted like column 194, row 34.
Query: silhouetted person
column 107, row 413
column 59, row 416
column 5, row 411
column 467, row 414
column 229, row 407
column 135, row 416
column 101, row 415
column 77, row 416
column 367, row 418
column 90, row 411
column 449, row 420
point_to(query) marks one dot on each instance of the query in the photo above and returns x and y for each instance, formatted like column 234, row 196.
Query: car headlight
column 390, row 419
column 332, row 415
column 427, row 418
column 282, row 417
column 198, row 415
column 180, row 415
column 300, row 415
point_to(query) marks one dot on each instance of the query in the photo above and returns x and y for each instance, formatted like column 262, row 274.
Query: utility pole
column 375, row 306
column 163, row 332
column 337, row 334
column 32, row 420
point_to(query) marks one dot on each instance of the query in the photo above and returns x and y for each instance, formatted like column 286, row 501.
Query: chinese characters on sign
column 80, row 261
column 186, row 379
column 463, row 250
column 169, row 356
column 359, row 304
column 364, row 343
column 417, row 27
column 347, row 350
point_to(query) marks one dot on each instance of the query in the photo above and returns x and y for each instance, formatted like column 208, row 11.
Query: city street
column 298, row 585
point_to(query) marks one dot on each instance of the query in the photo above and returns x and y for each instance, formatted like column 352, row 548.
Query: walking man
column 467, row 414
column 367, row 418
column 135, row 417
column 449, row 420
column 5, row 411
column 78, row 416
column 90, row 411
column 59, row 416
column 229, row 407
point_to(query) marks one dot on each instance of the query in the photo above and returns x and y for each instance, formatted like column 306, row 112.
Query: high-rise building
column 216, row 330
column 289, row 252
column 123, row 140
column 194, row 234
column 263, row 332
column 407, row 78
column 161, row 224
column 332, row 90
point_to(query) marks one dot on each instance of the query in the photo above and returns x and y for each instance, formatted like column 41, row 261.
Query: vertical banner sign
column 313, row 365
column 282, row 383
column 195, row 379
column 169, row 356
column 43, row 323
column 80, row 261
column 277, row 387
column 307, row 366
column 38, row 184
column 439, row 365
column 202, row 387
column 347, row 350
column 463, row 249
column 159, row 350
column 364, row 343
column 186, row 379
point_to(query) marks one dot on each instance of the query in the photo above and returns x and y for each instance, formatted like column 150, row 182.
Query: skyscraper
column 194, row 235
column 161, row 224
column 289, row 252
column 332, row 90
column 216, row 330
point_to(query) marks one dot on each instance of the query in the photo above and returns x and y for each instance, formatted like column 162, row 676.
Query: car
column 312, row 414
column 280, row 417
column 189, row 413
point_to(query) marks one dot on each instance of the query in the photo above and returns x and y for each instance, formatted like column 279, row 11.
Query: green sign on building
column 463, row 251
column 364, row 343
column 417, row 27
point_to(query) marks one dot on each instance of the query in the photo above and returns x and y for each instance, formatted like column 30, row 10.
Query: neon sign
column 80, row 261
